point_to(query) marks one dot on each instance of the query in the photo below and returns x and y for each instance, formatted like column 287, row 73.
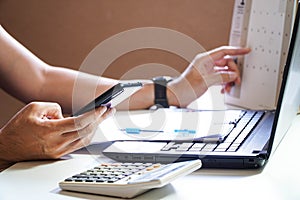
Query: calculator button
column 100, row 180
column 149, row 168
column 112, row 180
column 157, row 165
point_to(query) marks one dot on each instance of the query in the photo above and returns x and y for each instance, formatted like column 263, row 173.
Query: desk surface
column 280, row 179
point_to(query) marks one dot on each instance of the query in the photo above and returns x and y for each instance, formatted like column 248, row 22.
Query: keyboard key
column 197, row 147
column 223, row 146
column 209, row 147
column 232, row 149
column 184, row 146
column 168, row 146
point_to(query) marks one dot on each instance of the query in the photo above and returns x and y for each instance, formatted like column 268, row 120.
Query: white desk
column 280, row 179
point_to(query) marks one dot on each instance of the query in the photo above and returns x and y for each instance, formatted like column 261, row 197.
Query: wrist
column 184, row 90
column 171, row 94
column 161, row 92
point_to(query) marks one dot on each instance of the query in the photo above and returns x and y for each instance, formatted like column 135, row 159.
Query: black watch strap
column 160, row 91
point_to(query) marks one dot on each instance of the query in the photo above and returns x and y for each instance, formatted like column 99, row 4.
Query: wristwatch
column 160, row 91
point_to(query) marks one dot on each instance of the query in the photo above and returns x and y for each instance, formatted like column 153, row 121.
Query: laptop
column 248, row 140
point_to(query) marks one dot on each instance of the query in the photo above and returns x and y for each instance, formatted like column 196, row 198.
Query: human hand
column 39, row 131
column 211, row 68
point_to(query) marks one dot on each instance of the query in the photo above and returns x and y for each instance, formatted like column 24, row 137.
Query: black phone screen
column 111, row 97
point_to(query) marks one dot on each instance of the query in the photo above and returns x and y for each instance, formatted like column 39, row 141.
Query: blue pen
column 185, row 131
column 138, row 131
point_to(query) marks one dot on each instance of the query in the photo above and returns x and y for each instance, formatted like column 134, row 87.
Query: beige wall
column 63, row 32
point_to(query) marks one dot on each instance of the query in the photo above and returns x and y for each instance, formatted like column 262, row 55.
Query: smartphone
column 112, row 96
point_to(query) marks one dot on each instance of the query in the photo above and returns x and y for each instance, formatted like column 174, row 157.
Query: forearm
column 144, row 98
column 30, row 79
column 21, row 71
column 72, row 88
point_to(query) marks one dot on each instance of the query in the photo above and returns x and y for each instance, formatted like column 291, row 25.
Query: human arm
column 215, row 67
column 28, row 78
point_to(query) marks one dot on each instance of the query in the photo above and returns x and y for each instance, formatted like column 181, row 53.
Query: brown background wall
column 63, row 32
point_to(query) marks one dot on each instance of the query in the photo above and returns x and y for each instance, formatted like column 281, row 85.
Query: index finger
column 76, row 123
column 221, row 52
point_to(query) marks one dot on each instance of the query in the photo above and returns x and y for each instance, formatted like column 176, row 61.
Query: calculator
column 127, row 180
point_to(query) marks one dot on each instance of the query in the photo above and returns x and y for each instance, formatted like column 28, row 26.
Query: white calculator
column 127, row 180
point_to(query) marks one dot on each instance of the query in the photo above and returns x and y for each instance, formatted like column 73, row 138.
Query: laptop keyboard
column 243, row 126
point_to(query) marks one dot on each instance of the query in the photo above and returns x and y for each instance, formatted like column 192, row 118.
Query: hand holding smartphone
column 111, row 97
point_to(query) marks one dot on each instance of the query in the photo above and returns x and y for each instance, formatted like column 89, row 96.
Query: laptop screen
column 289, row 98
